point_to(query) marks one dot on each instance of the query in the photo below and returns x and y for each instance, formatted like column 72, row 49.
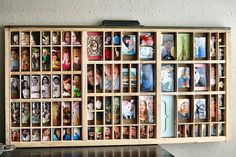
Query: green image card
column 184, row 46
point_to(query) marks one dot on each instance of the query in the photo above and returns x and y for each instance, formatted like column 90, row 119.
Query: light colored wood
column 157, row 93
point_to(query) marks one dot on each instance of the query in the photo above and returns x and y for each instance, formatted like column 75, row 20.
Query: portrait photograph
column 25, row 86
column 15, row 66
column 76, row 113
column 15, row 114
column 35, row 86
column 35, row 58
column 146, row 50
column 56, row 38
column 129, row 49
column 146, row 109
column 200, row 110
column 66, row 59
column 45, row 38
column 25, row 114
column 200, row 79
column 15, row 38
column 36, row 135
column 56, row 86
column 146, row 78
column 46, row 86
column 46, row 113
column 184, row 109
column 56, row 59
column 36, row 114
column 167, row 46
column 66, row 109
column 25, row 59
column 167, row 78
column 184, row 78
column 15, row 87
column 66, row 92
column 200, row 47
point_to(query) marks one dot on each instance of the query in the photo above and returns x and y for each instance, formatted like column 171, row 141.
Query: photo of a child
column 112, row 77
column 129, row 44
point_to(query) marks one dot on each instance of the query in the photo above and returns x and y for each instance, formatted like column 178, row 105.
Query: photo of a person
column 200, row 82
column 45, row 38
column 46, row 135
column 14, row 38
column 183, row 77
column 77, row 134
column 25, row 59
column 117, row 133
column 167, row 78
column 56, row 113
column 151, row 131
column 25, row 89
column 46, row 59
column 75, row 38
column 46, row 86
column 35, row 56
column 107, row 133
column 91, row 133
column 67, row 134
column 46, row 113
column 66, row 113
column 125, row 132
column 143, row 117
column 112, row 76
column 90, row 78
column 76, row 113
column 143, row 132
column 129, row 44
column 167, row 47
column 56, row 59
column 35, row 86
column 15, row 87
column 14, row 59
column 56, row 86
column 66, row 59
column 35, row 115
column 146, row 78
column 200, row 109
column 183, row 109
column 77, row 58
column 133, row 132
column 25, row 38
column 76, row 86
column 200, row 47
column 56, row 136
column 66, row 38
column 56, row 38
column 25, row 114
column 35, row 38
column 66, row 86
column 15, row 114
column 25, row 135
column 15, row 135
column 99, row 133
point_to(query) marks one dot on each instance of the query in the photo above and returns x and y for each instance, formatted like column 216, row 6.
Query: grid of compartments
column 193, row 84
column 100, row 86
column 121, row 98
column 45, row 83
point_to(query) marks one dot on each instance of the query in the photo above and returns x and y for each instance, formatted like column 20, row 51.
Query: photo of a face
column 129, row 44
column 46, row 135
column 200, row 82
column 35, row 58
column 75, row 38
column 15, row 114
column 66, row 86
column 56, row 86
column 133, row 132
column 15, row 59
column 56, row 59
column 108, row 133
column 66, row 107
column 15, row 135
column 146, row 109
column 25, row 135
column 25, row 38
column 56, row 37
column 56, row 113
column 66, row 38
column 45, row 38
column 167, row 47
column 143, row 132
column 66, row 58
column 99, row 133
column 25, row 114
column 35, row 115
column 35, row 86
column 117, row 132
column 112, row 76
column 167, row 78
column 151, row 131
column 35, row 38
column 15, row 87
column 25, row 59
column 46, row 61
column 25, row 87
column 46, row 86
column 14, row 38
column 36, row 135
column 91, row 133
column 46, row 113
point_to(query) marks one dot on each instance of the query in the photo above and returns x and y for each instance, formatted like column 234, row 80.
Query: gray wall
column 148, row 12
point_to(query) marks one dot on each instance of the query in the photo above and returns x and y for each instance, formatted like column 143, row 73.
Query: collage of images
column 43, row 121
column 47, row 65
column 42, row 51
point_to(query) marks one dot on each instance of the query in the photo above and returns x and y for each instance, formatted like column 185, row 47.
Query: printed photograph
column 25, row 135
column 45, row 38
column 77, row 134
column 117, row 132
column 76, row 88
column 56, row 59
column 129, row 44
column 15, row 59
column 35, row 86
column 46, row 113
column 67, row 134
column 143, row 132
column 15, row 135
column 56, row 134
column 76, row 58
column 167, row 78
column 35, row 58
column 25, row 59
column 184, row 109
column 95, row 46
column 129, row 110
column 35, row 115
column 35, row 38
column 14, row 38
column 56, row 113
column 200, row 47
column 108, row 110
column 46, row 86
column 66, row 109
column 46, row 134
column 25, row 86
column 56, row 37
column 46, row 61
column 66, row 58
column 91, row 133
column 146, row 78
column 99, row 133
column 66, row 93
column 15, row 114
column 200, row 80
column 147, row 40
column 25, row 114
column 15, row 87
column 56, row 86
column 200, row 109
column 167, row 46
column 75, row 38
column 24, row 38
column 184, row 78
column 125, row 132
column 66, row 38
column 146, row 109
column 116, row 110
column 76, row 113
